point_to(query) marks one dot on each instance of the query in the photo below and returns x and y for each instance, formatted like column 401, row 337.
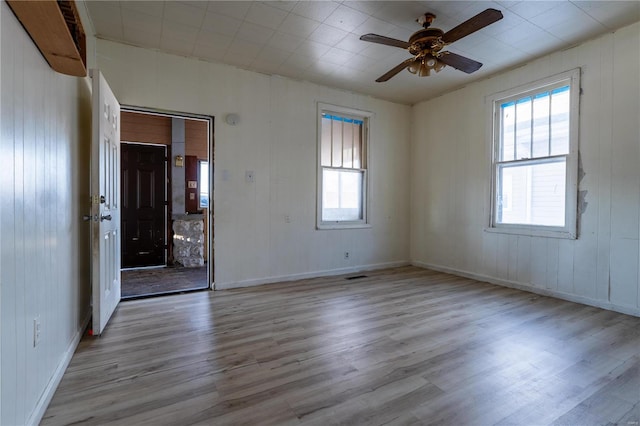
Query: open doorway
column 166, row 185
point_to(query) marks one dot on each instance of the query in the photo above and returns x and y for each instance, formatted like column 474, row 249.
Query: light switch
column 249, row 177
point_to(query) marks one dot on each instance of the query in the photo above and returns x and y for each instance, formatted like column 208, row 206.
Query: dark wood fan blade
column 472, row 25
column 459, row 62
column 395, row 70
column 375, row 38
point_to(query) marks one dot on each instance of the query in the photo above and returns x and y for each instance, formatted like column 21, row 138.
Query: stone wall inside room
column 188, row 241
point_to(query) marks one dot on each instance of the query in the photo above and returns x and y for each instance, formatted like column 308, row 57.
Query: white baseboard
column 306, row 275
column 526, row 287
column 50, row 390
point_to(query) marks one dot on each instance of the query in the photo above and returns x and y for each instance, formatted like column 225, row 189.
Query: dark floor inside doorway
column 148, row 282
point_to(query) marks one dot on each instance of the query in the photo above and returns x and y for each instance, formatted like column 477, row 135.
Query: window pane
column 336, row 131
column 507, row 151
column 532, row 194
column 342, row 195
column 560, row 102
column 347, row 144
column 204, row 184
column 357, row 145
column 523, row 128
column 541, row 125
column 325, row 143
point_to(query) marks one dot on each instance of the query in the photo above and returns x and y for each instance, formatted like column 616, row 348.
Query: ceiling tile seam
column 307, row 38
column 121, row 19
column 92, row 24
column 576, row 4
column 270, row 38
column 537, row 26
column 233, row 38
column 224, row 14
column 368, row 14
column 161, row 25
column 235, row 34
column 195, row 42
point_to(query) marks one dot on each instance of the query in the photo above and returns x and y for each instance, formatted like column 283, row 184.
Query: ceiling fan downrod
column 426, row 20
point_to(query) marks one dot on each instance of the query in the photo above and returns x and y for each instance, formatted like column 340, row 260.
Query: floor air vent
column 356, row 277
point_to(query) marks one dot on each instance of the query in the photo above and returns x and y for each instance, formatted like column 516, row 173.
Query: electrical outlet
column 287, row 218
column 346, row 254
column 36, row 331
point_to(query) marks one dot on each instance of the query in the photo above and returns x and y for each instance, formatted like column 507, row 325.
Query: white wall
column 275, row 138
column 44, row 249
column 450, row 164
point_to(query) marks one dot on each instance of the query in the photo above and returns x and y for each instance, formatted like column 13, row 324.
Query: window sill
column 533, row 232
column 330, row 226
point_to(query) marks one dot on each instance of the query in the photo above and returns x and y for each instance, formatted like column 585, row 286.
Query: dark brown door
column 143, row 205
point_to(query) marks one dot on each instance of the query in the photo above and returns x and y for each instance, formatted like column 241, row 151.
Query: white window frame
column 365, row 116
column 569, row 231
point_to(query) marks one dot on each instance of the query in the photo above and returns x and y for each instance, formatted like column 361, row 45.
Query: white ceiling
column 318, row 41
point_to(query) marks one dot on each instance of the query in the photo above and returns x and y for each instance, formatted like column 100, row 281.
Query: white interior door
column 105, row 194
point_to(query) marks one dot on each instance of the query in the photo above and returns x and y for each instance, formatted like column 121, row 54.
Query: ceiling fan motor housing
column 428, row 39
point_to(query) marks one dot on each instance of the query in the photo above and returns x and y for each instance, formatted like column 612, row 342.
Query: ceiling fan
column 426, row 45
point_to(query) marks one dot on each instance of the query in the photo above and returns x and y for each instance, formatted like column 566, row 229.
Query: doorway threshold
column 139, row 268
column 159, row 281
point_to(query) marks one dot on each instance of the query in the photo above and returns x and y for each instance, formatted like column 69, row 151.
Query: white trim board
column 628, row 310
column 47, row 395
column 306, row 275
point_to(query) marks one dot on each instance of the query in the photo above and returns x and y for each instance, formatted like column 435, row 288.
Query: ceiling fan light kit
column 426, row 45
column 423, row 66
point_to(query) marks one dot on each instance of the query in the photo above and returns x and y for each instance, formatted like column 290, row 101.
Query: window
column 203, row 184
column 535, row 149
column 342, row 168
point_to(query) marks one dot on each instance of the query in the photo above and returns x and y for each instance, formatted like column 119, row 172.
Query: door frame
column 210, row 119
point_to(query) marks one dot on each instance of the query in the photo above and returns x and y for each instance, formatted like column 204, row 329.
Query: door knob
column 103, row 217
column 87, row 217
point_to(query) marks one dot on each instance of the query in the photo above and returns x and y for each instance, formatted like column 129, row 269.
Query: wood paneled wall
column 149, row 128
column 45, row 246
column 196, row 134
column 451, row 176
column 145, row 128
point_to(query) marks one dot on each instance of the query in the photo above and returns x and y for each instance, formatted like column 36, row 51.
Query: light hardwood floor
column 402, row 346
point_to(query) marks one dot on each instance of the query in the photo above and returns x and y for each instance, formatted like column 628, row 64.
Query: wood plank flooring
column 402, row 346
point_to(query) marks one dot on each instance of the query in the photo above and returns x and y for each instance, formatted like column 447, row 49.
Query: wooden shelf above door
column 56, row 29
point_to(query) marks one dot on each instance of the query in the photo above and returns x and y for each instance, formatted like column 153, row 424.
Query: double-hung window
column 342, row 168
column 535, row 156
